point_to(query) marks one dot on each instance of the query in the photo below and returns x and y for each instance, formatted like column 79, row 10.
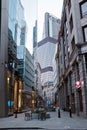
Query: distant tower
column 46, row 47
column 35, row 42
column 45, row 53
column 35, row 48
column 23, row 33
column 51, row 26
column 35, row 35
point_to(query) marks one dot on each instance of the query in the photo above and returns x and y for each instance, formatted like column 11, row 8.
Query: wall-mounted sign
column 79, row 84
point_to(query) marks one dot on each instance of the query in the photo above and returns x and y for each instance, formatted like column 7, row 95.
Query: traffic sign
column 79, row 84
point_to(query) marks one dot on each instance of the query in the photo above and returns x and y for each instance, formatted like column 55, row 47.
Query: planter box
column 34, row 115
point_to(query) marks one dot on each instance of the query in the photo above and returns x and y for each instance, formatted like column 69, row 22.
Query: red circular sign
column 78, row 84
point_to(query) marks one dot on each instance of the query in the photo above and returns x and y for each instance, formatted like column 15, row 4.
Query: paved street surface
column 53, row 123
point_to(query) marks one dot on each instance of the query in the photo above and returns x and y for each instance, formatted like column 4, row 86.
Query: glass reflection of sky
column 16, row 16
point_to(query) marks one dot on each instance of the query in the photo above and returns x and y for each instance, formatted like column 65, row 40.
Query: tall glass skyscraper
column 26, row 71
column 11, row 33
column 51, row 26
column 35, row 35
column 16, row 19
column 23, row 33
column 16, row 29
column 45, row 52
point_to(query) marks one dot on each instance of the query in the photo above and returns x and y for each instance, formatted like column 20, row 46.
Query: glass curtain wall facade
column 26, row 71
column 35, row 35
column 11, row 58
column 23, row 33
column 45, row 53
column 14, row 82
column 51, row 26
column 11, row 24
column 16, row 16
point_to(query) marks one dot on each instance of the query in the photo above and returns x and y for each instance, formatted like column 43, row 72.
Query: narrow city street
column 52, row 123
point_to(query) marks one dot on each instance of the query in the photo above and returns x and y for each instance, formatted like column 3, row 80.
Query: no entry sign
column 79, row 84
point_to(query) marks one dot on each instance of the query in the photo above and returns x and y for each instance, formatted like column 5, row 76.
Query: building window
column 86, row 61
column 71, row 24
column 73, row 43
column 84, row 9
column 85, row 33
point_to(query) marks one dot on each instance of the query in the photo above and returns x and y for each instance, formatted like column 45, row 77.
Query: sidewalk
column 65, row 122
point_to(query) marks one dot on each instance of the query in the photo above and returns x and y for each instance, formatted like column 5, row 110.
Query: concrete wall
column 3, row 58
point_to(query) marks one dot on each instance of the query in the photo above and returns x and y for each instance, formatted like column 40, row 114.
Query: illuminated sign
column 79, row 84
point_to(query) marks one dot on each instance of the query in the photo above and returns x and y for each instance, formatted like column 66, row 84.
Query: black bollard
column 16, row 113
column 70, row 112
column 59, row 112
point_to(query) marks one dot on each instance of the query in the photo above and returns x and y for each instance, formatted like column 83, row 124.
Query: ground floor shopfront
column 14, row 85
column 18, row 99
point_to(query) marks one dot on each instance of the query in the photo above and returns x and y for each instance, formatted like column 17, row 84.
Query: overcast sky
column 34, row 10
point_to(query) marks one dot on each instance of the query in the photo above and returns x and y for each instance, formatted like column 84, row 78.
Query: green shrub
column 39, row 111
column 36, row 111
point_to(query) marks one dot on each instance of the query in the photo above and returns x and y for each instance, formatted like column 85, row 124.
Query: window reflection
column 84, row 9
column 85, row 33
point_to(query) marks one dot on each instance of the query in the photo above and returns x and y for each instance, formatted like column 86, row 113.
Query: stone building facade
column 72, row 57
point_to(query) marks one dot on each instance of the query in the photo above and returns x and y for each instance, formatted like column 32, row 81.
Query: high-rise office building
column 26, row 72
column 35, row 43
column 45, row 53
column 23, row 33
column 35, row 49
column 51, row 26
column 35, row 35
column 11, row 17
